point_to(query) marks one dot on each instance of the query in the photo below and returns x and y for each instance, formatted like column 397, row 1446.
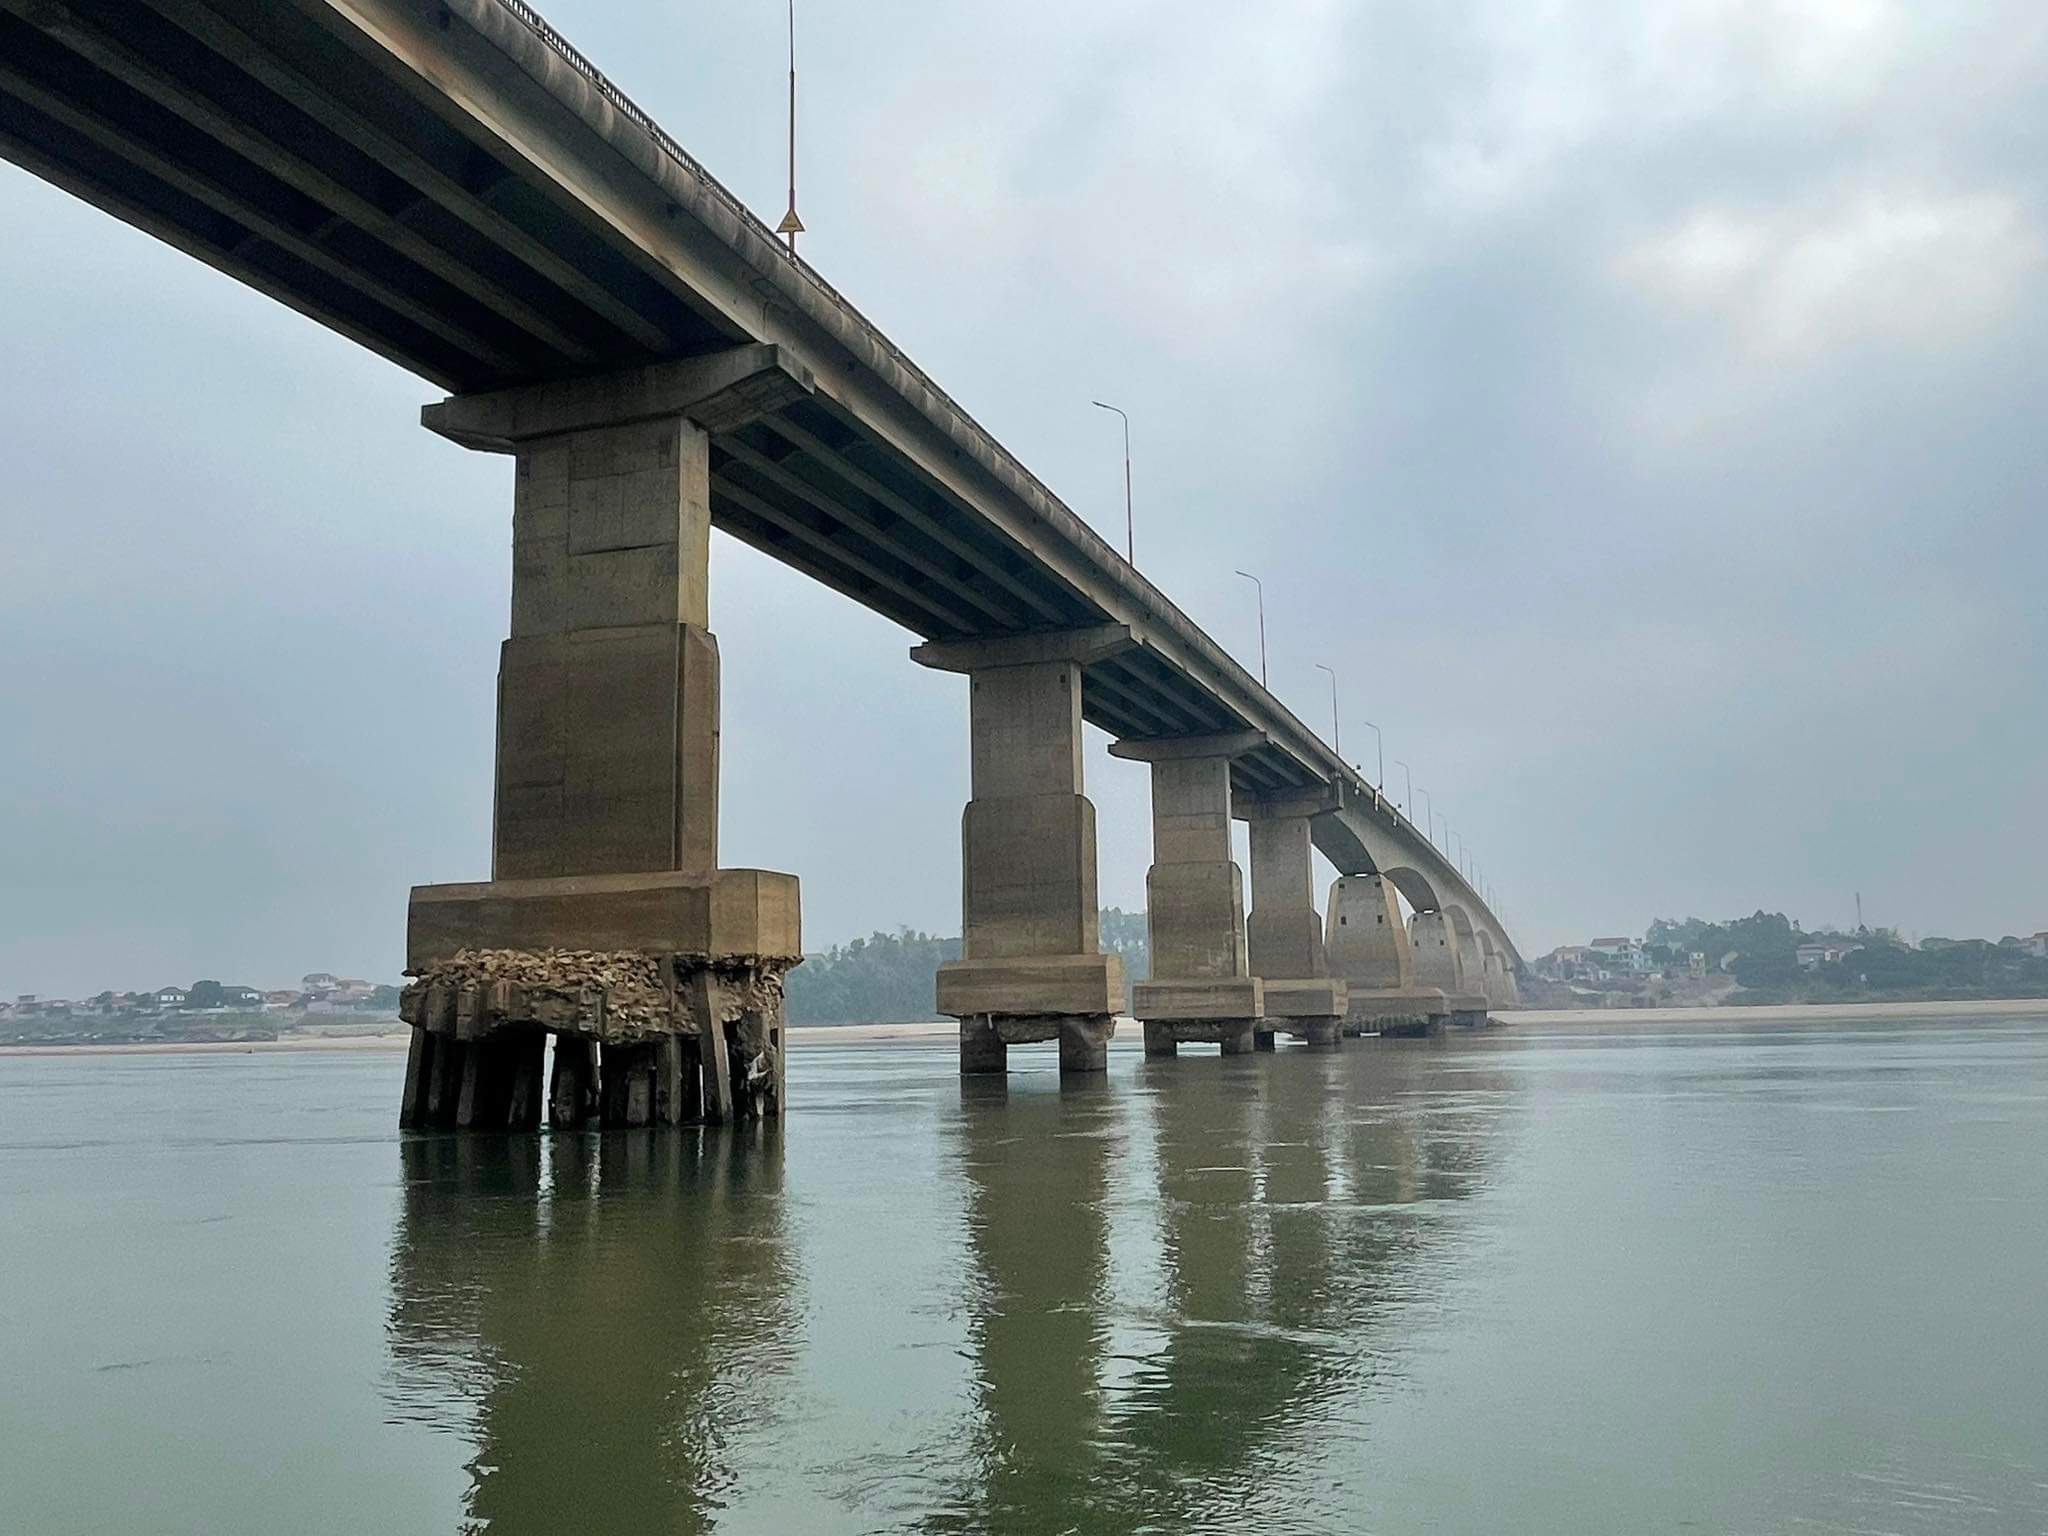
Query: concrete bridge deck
column 450, row 184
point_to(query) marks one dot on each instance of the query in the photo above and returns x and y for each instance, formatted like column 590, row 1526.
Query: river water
column 1759, row 1277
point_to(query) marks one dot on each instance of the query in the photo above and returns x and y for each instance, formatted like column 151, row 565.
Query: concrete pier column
column 1031, row 966
column 1490, row 974
column 608, row 685
column 1500, row 982
column 1287, row 948
column 1370, row 947
column 1439, row 963
column 605, row 891
column 1472, row 966
column 1201, row 987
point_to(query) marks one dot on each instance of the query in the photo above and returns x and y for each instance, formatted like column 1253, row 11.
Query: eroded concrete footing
column 713, row 1052
column 1234, row 1037
column 677, row 1019
column 985, row 1040
column 1396, row 1011
column 1311, row 1011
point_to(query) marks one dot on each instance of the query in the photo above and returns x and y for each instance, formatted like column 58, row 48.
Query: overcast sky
column 1640, row 407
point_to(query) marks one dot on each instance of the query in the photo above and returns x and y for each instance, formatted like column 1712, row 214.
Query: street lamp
column 1130, row 548
column 1336, row 730
column 1381, row 742
column 1408, row 805
column 1428, row 815
column 1248, row 576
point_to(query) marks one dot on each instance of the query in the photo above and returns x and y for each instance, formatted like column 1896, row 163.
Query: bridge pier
column 1477, row 995
column 1031, row 967
column 1370, row 948
column 1201, row 988
column 1287, row 948
column 607, row 921
column 1500, row 981
column 1433, row 938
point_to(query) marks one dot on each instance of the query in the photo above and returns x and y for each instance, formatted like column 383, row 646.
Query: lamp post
column 1380, row 742
column 1336, row 729
column 1130, row 545
column 1428, row 816
column 1248, row 576
column 1407, row 805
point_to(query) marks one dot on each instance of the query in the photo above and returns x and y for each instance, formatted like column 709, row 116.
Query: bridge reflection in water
column 1181, row 1290
column 607, row 1304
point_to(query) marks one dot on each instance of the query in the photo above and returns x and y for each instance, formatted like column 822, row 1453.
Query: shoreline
column 1784, row 1013
column 927, row 1029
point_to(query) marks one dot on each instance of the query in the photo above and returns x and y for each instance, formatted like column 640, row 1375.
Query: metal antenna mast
column 791, row 226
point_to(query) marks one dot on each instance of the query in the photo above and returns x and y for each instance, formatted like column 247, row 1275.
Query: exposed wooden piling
column 528, row 1052
column 640, row 1040
column 419, row 1056
column 628, row 1086
column 573, row 1089
column 707, row 1002
column 444, row 1080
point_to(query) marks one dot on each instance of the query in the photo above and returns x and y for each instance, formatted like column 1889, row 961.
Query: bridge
column 452, row 185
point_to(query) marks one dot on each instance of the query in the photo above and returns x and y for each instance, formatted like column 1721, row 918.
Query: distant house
column 286, row 997
column 169, row 997
column 1622, row 956
column 1825, row 952
column 1568, row 962
column 242, row 997
column 2038, row 946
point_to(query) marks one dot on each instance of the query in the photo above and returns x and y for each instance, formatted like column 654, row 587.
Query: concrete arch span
column 1414, row 886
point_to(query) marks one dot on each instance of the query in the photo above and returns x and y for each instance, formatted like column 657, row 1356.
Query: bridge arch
column 1414, row 886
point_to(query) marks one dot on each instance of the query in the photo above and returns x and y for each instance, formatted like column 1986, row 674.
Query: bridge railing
column 631, row 110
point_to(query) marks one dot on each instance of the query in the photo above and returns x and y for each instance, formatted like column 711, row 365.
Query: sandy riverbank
column 1785, row 1013
column 396, row 1041
column 888, row 1034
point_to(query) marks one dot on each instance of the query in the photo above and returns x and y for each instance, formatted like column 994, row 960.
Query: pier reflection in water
column 1177, row 1294
column 1021, row 1306
column 611, row 1310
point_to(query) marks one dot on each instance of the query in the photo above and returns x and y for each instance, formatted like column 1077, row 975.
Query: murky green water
column 1544, row 1280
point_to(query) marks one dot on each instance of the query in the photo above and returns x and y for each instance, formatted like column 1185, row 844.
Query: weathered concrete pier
column 1201, row 987
column 1031, row 966
column 608, row 922
column 452, row 185
column 1303, row 997
column 1370, row 947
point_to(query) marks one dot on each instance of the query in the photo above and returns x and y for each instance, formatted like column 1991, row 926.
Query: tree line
column 891, row 978
column 1761, row 952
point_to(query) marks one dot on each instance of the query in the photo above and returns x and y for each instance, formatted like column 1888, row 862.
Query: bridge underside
column 447, row 183
column 263, row 139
